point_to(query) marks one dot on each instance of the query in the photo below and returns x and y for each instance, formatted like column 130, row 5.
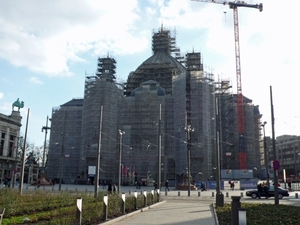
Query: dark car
column 281, row 192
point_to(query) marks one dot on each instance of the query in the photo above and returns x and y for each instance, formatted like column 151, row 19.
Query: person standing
column 259, row 190
column 109, row 189
column 266, row 190
column 114, row 188
column 167, row 185
column 290, row 185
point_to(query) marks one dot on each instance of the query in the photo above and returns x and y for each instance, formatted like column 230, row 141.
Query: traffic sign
column 276, row 165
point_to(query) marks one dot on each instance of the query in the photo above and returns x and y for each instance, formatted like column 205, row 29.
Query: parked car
column 281, row 193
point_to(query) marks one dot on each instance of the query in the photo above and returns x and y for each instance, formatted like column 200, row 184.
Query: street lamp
column 265, row 153
column 120, row 159
column 61, row 159
column 15, row 172
column 219, row 195
column 46, row 128
column 188, row 129
column 200, row 173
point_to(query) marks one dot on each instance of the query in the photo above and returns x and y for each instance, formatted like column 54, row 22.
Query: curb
column 213, row 210
column 112, row 221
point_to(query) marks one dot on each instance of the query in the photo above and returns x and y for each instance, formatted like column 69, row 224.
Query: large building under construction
column 167, row 106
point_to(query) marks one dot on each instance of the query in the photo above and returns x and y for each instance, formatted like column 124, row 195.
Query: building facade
column 166, row 94
column 10, row 134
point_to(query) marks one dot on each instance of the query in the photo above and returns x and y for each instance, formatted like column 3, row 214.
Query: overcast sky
column 47, row 47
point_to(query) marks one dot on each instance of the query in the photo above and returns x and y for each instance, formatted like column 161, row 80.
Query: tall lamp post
column 15, row 171
column 159, row 151
column 188, row 129
column 265, row 153
column 219, row 195
column 61, row 159
column 46, row 128
column 120, row 159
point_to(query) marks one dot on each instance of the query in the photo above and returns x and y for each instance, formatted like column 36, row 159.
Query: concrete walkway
column 171, row 211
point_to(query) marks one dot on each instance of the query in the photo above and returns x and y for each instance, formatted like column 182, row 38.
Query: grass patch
column 46, row 207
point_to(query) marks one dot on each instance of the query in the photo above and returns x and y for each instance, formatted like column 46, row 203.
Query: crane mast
column 240, row 106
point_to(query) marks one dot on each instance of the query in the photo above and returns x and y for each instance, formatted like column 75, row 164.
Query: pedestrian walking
column 203, row 186
column 232, row 186
column 167, row 186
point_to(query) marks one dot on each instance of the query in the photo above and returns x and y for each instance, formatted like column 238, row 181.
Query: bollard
column 242, row 194
column 199, row 193
column 123, row 202
column 242, row 217
column 213, row 194
column 178, row 193
column 227, row 194
column 145, row 198
column 105, row 208
column 235, row 205
column 152, row 196
column 79, row 211
column 296, row 195
column 135, row 197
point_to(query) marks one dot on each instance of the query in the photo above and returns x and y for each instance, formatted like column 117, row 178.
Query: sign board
column 276, row 165
column 92, row 170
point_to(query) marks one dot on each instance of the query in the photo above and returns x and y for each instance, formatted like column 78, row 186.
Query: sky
column 48, row 47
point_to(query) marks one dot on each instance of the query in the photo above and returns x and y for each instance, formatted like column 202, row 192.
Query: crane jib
column 241, row 4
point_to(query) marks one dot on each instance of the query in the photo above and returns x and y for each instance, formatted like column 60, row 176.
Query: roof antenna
column 162, row 27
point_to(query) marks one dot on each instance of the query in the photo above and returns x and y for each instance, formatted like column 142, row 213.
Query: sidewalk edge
column 112, row 221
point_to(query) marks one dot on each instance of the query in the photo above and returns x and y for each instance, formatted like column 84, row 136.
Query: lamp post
column 200, row 174
column 46, row 128
column 188, row 129
column 159, row 151
column 15, row 171
column 265, row 153
column 61, row 159
column 219, row 195
column 120, row 159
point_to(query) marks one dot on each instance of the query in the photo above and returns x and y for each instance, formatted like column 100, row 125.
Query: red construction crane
column 240, row 108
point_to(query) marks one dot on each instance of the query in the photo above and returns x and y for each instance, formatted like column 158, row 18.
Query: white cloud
column 35, row 80
column 46, row 36
column 1, row 95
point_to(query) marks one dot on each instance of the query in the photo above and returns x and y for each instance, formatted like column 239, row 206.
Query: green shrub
column 258, row 214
